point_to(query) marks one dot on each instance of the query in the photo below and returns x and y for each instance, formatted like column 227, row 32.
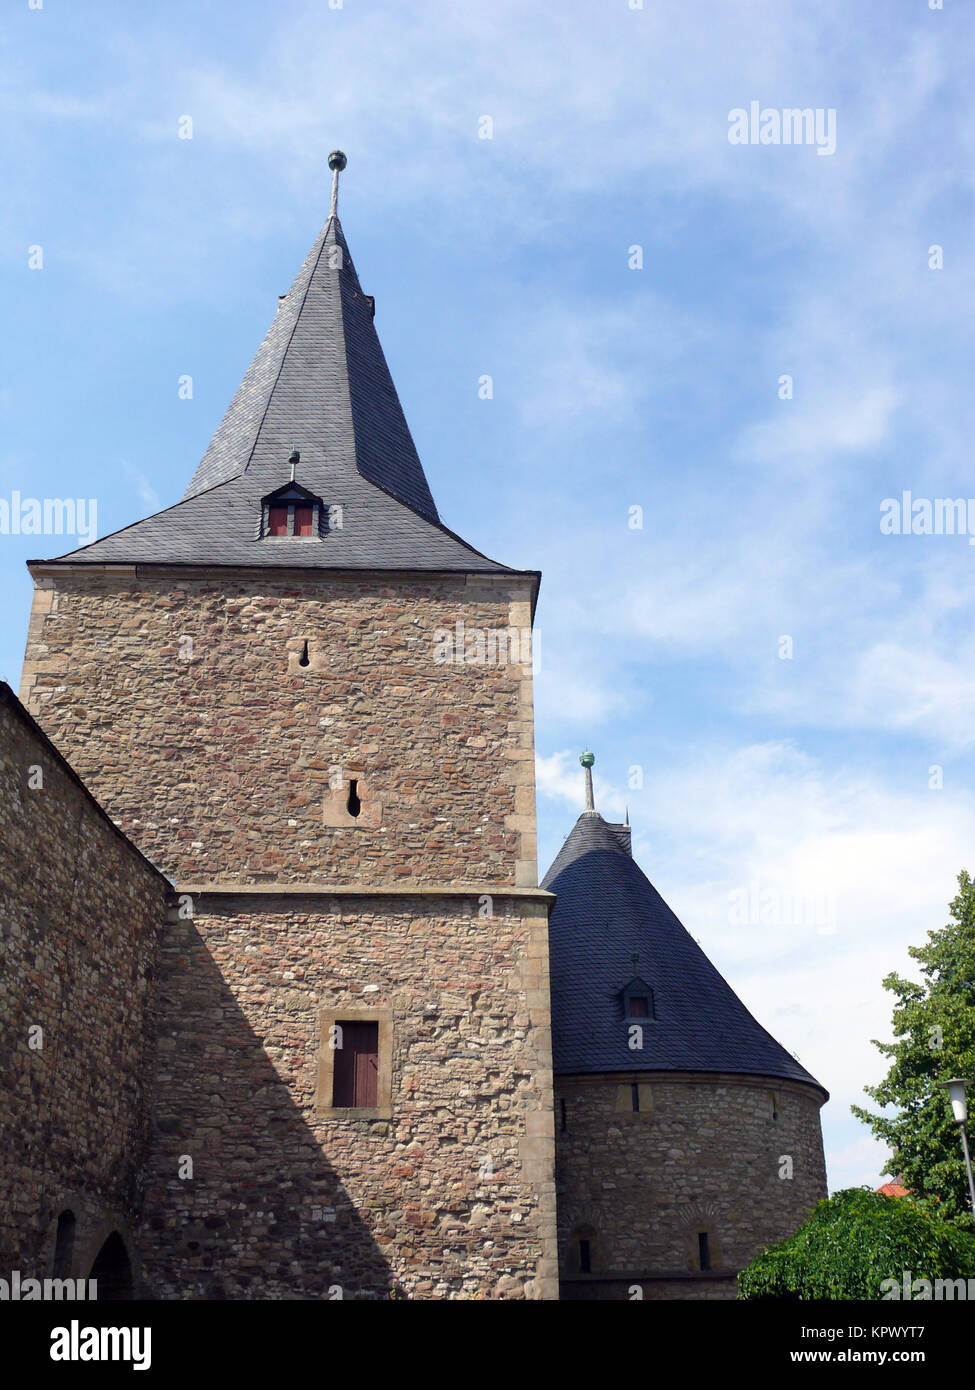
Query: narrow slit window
column 585, row 1258
column 355, row 1082
column 64, row 1245
column 635, row 1095
column 703, row 1250
column 303, row 659
column 353, row 805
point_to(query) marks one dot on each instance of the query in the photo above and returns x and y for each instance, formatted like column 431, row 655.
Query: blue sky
column 614, row 388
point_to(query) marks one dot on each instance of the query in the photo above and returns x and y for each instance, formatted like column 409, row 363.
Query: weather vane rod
column 336, row 162
column 587, row 759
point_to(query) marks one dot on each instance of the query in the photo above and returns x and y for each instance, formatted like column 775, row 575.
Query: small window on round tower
column 638, row 1000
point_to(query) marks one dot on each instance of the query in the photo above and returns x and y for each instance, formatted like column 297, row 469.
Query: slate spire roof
column 318, row 384
column 609, row 925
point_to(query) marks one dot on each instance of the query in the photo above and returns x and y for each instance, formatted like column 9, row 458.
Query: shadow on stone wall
column 264, row 1214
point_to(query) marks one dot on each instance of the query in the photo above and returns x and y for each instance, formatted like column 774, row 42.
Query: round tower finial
column 337, row 161
column 587, row 759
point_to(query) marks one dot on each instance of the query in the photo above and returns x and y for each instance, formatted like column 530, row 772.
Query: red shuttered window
column 303, row 521
column 277, row 521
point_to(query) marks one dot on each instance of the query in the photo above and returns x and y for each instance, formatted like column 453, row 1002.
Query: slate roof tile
column 607, row 911
column 318, row 383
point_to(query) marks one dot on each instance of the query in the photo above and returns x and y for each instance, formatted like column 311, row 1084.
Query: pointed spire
column 319, row 380
column 320, row 376
column 587, row 759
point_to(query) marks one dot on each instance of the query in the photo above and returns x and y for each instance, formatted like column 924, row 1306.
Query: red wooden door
column 356, row 1074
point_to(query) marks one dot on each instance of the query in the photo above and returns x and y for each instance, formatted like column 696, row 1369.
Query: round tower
column 687, row 1138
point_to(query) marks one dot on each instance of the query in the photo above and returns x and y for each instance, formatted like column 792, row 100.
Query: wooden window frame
column 289, row 506
column 646, row 994
column 383, row 1109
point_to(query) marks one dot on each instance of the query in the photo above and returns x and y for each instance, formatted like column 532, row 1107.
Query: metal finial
column 294, row 461
column 336, row 162
column 587, row 759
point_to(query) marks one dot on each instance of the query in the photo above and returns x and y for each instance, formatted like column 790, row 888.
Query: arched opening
column 113, row 1270
column 64, row 1245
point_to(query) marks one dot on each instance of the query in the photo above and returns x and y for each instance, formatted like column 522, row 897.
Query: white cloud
column 145, row 491
column 559, row 777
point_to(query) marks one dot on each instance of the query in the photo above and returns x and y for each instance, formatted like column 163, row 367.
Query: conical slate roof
column 606, row 913
column 319, row 384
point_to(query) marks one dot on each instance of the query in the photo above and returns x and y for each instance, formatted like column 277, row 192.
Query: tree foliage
column 855, row 1240
column 934, row 1032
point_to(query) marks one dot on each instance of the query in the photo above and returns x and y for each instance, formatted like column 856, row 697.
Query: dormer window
column 638, row 1001
column 293, row 513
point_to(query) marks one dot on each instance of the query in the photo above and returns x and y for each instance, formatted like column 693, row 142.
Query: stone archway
column 112, row 1270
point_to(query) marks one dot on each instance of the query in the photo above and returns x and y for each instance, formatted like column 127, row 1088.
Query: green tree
column 934, row 1031
column 852, row 1243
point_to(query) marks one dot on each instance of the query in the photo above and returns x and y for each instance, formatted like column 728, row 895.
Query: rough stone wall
column 453, row 1195
column 702, row 1154
column 183, row 702
column 80, row 916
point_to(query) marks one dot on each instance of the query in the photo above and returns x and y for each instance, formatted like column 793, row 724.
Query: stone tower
column 687, row 1139
column 309, row 703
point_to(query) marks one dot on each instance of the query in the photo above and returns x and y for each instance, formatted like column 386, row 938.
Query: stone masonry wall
column 452, row 1194
column 80, row 916
column 183, row 702
column 702, row 1154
